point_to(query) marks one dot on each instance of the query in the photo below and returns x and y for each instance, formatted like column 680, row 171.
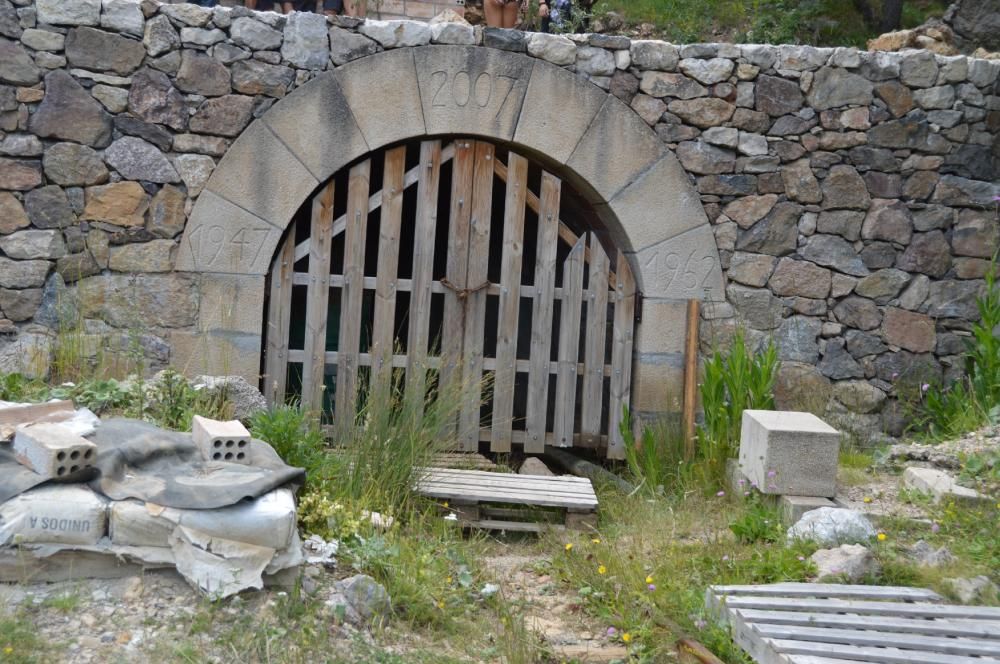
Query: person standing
column 555, row 14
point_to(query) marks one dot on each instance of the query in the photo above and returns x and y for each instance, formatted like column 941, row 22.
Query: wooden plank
column 497, row 496
column 690, row 377
column 563, row 490
column 475, row 304
column 317, row 298
column 815, row 590
column 27, row 413
column 351, row 296
column 423, row 264
column 510, row 302
column 279, row 317
column 872, row 654
column 457, row 263
column 898, row 609
column 406, row 285
column 374, row 202
column 542, row 312
column 390, row 222
column 592, row 402
column 876, row 635
column 940, row 627
column 569, row 346
column 621, row 354
column 514, row 477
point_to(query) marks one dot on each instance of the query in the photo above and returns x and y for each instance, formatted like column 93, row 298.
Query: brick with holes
column 53, row 450
column 221, row 441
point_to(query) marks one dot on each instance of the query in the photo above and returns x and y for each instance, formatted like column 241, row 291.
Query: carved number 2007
column 463, row 90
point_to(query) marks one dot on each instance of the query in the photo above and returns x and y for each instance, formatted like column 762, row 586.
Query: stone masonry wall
column 852, row 194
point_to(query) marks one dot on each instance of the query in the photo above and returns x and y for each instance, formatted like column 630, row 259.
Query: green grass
column 19, row 641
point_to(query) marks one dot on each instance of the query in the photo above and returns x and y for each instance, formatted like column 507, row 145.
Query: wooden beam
column 279, row 316
column 317, row 298
column 690, row 377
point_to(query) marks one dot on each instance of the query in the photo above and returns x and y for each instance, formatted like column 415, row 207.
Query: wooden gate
column 454, row 269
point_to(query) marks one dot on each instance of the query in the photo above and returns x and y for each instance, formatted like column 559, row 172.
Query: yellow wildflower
column 597, row 541
column 8, row 650
column 441, row 604
column 445, row 504
column 569, row 546
column 881, row 537
column 649, row 579
column 448, row 580
column 868, row 499
column 602, row 569
column 626, row 637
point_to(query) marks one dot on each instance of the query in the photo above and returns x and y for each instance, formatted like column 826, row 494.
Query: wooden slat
column 457, row 262
column 941, row 627
column 843, row 591
column 592, row 402
column 475, row 303
column 374, row 203
column 402, row 361
column 317, row 298
column 874, row 655
column 487, row 495
column 510, row 302
column 279, row 316
column 423, row 264
column 390, row 221
column 406, row 285
column 876, row 634
column 621, row 354
column 569, row 345
column 898, row 609
column 542, row 312
column 353, row 291
column 575, row 499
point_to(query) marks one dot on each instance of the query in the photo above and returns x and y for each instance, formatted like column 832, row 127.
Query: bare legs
column 357, row 8
column 500, row 14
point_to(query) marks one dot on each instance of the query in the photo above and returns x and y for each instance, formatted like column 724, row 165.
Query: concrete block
column 793, row 507
column 221, row 441
column 53, row 450
column 789, row 453
column 940, row 485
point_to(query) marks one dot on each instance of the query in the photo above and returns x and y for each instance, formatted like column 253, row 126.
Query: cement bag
column 67, row 514
column 268, row 521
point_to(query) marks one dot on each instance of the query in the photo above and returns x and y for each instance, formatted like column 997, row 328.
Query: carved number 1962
column 460, row 89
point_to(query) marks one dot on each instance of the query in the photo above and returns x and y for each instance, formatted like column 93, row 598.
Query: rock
column 202, row 75
column 23, row 274
column 859, row 396
column 202, row 37
column 505, row 39
column 845, row 223
column 122, row 16
column 59, row 308
column 953, row 190
column 12, row 216
column 10, row 25
column 844, row 188
column 727, row 137
column 800, row 183
column 708, row 72
column 359, row 601
column 158, row 300
column 748, row 210
column 858, row 312
column 394, row 34
column 802, row 278
column 152, row 256
column 306, row 41
column 68, row 112
column 254, row 77
column 833, row 87
column 28, row 354
column 21, row 145
column 972, row 590
column 883, row 285
column 884, row 185
column 897, row 97
column 758, row 307
column 47, row 208
column 346, row 46
column 888, row 220
column 941, row 486
column 838, row 364
column 135, row 159
column 94, row 49
column 933, row 217
column 832, row 526
column 71, row 165
column 915, row 293
column 68, row 12
column 664, row 84
column 534, row 466
column 594, row 61
column 245, row 398
column 111, row 98
column 224, row 116
column 751, row 269
column 927, row 253
column 209, row 145
column 976, row 234
column 702, row 113
column 752, row 144
column 188, row 14
column 557, row 49
column 833, row 251
column 910, row 330
column 656, row 55
column 20, row 174
column 166, row 212
column 850, row 563
column 153, row 98
column 700, row 157
column 20, row 305
column 926, row 555
column 776, row 234
column 778, row 96
column 919, row 70
column 160, row 37
column 121, row 204
column 796, row 339
column 648, row 108
column 801, row 387
column 953, row 299
column 16, row 66
column 909, row 133
column 453, row 33
column 942, row 96
column 147, row 131
column 33, row 244
column 194, row 169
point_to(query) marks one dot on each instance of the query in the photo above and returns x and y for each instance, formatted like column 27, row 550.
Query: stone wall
column 420, row 10
column 851, row 194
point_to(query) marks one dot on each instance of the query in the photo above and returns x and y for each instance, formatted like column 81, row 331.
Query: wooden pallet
column 816, row 623
column 503, row 501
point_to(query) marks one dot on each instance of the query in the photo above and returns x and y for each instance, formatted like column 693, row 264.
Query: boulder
column 157, row 300
column 245, row 398
column 800, row 183
column 188, row 14
column 152, row 256
column 122, row 16
column 844, row 188
column 20, row 305
column 33, row 244
column 831, row 526
column 858, row 312
column 859, row 396
column 751, row 269
column 194, row 169
column 802, row 278
column 135, row 159
column 796, row 339
column 70, row 113
column 778, row 96
column 253, row 34
column 776, row 234
column 707, row 71
column 394, row 34
column 147, row 131
column 926, row 555
column 748, row 210
column 977, row 589
column 534, row 466
column 757, row 306
column 658, row 55
column 976, row 234
column 68, row 12
column 837, row 363
column 849, row 563
column 23, row 274
column 20, row 174
column 667, row 84
column 910, row 330
column 166, row 212
column 927, row 253
column 941, row 486
column 160, row 36
column 883, row 285
column 359, row 601
column 704, row 113
column 799, row 386
column 888, row 220
column 700, row 157
column 119, row 203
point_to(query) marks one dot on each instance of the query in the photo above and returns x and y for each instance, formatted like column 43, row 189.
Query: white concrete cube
column 789, row 453
column 53, row 450
column 221, row 441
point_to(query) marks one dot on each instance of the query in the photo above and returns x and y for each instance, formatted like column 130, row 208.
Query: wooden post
column 690, row 377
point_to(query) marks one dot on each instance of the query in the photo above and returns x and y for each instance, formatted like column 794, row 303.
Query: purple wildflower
column 925, row 387
column 772, row 473
column 935, row 527
column 721, row 494
column 612, row 632
column 651, row 587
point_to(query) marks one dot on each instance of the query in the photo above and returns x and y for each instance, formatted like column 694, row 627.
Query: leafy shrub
column 296, row 438
column 759, row 522
column 98, row 395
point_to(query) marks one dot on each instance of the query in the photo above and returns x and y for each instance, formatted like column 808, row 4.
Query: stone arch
column 634, row 182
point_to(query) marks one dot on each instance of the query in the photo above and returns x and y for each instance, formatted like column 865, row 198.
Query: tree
column 886, row 15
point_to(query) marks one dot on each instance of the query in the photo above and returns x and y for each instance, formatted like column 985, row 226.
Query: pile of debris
column 970, row 27
column 84, row 498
